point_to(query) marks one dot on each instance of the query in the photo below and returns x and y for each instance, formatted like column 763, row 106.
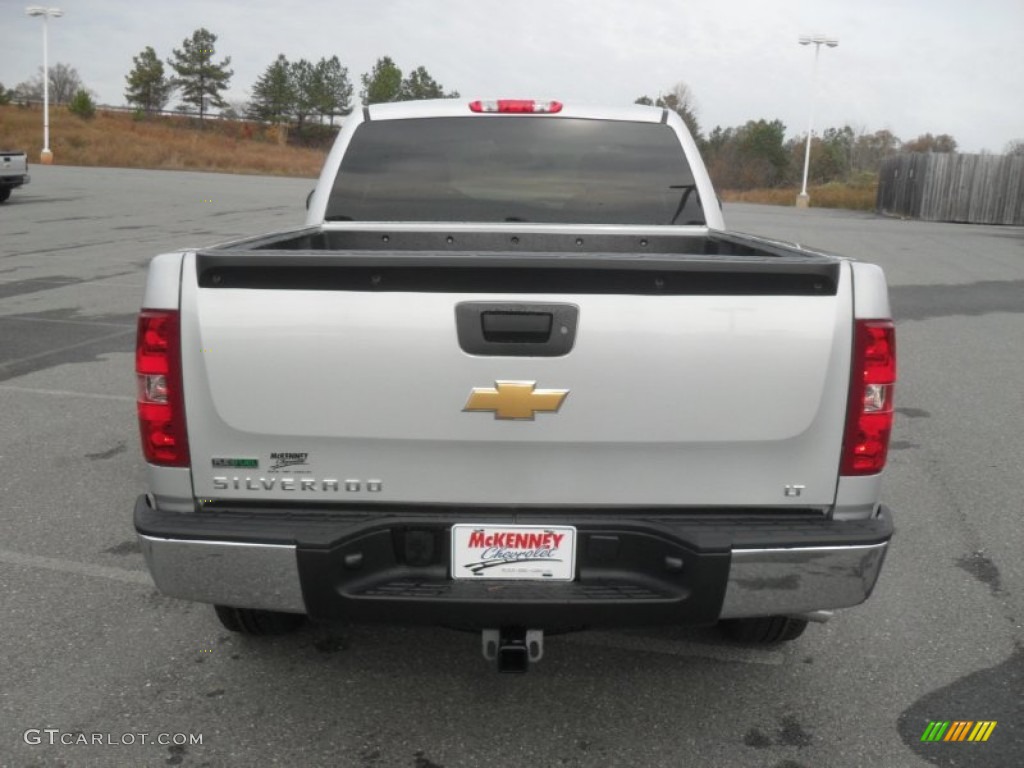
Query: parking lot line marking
column 58, row 350
column 98, row 282
column 65, row 393
column 27, row 319
column 124, row 575
column 627, row 641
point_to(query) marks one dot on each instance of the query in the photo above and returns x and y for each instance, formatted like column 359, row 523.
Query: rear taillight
column 869, row 413
column 161, row 404
column 517, row 106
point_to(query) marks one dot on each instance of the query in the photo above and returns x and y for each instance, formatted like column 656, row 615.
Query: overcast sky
column 912, row 66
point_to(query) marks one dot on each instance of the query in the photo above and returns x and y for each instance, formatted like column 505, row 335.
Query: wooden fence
column 974, row 189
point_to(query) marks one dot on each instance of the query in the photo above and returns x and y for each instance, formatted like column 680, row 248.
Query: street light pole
column 803, row 200
column 46, row 156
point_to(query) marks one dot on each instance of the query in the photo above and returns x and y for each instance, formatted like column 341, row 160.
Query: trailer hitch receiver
column 513, row 648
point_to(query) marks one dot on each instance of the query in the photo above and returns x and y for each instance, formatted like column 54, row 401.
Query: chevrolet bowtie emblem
column 515, row 399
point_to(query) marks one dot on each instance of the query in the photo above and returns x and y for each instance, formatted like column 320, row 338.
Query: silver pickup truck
column 514, row 376
column 13, row 172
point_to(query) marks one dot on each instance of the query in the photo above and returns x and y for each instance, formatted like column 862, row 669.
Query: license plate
column 521, row 552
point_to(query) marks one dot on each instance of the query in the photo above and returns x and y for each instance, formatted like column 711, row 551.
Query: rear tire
column 763, row 630
column 249, row 621
column 4, row 194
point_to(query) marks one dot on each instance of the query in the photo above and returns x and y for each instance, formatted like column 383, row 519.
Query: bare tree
column 1014, row 148
column 65, row 82
column 870, row 149
column 928, row 143
column 679, row 99
column 29, row 90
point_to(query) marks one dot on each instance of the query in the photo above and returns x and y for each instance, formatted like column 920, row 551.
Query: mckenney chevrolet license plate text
column 513, row 552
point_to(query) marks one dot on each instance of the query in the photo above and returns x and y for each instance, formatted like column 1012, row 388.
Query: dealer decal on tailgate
column 514, row 552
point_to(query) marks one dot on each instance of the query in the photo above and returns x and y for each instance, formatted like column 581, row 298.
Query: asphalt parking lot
column 87, row 646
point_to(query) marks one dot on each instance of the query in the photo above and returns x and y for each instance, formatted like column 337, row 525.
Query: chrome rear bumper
column 797, row 580
column 761, row 582
column 226, row 573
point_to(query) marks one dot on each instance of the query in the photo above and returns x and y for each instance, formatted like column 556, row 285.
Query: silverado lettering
column 221, row 483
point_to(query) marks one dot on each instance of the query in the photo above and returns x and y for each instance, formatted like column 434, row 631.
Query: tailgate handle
column 516, row 327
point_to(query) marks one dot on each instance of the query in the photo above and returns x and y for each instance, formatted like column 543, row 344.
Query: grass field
column 857, row 197
column 118, row 140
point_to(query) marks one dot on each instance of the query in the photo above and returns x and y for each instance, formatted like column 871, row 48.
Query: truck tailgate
column 320, row 390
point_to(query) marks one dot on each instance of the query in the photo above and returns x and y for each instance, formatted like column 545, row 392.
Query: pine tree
column 81, row 104
column 420, row 85
column 273, row 96
column 303, row 78
column 333, row 94
column 199, row 78
column 383, row 83
column 148, row 87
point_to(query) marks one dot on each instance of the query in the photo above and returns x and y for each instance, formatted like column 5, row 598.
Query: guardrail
column 38, row 104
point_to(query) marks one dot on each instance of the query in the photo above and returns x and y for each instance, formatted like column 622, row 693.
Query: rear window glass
column 510, row 169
